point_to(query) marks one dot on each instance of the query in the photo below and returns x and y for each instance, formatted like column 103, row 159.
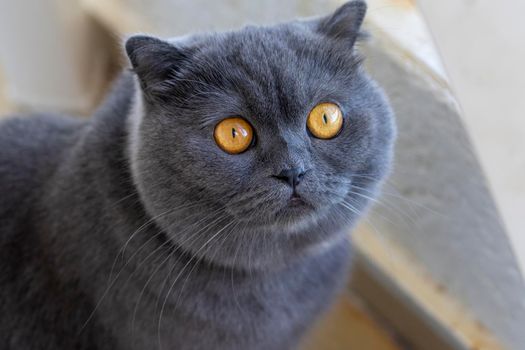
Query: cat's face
column 282, row 176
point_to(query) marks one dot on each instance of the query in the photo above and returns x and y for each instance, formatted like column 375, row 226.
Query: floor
column 348, row 326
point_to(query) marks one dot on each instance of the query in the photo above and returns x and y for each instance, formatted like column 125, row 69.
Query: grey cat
column 135, row 230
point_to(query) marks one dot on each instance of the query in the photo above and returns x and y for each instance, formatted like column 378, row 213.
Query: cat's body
column 67, row 244
column 108, row 242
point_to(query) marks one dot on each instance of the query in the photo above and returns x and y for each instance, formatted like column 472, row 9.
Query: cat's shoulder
column 30, row 141
column 30, row 130
column 30, row 149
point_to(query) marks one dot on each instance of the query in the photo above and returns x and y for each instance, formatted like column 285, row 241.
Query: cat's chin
column 296, row 208
column 295, row 215
column 291, row 213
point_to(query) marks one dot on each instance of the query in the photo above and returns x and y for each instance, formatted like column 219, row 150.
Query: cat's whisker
column 378, row 234
column 169, row 255
column 179, row 274
column 231, row 275
column 355, row 211
column 383, row 217
column 194, row 236
column 399, row 196
column 385, row 205
column 112, row 283
column 148, row 223
column 136, row 252
column 386, row 182
column 211, row 259
column 350, row 207
column 374, row 200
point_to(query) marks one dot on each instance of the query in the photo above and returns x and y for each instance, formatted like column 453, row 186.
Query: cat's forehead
column 291, row 51
column 270, row 73
column 263, row 46
column 265, row 73
column 288, row 55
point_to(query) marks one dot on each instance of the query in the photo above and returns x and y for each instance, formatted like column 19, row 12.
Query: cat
column 207, row 202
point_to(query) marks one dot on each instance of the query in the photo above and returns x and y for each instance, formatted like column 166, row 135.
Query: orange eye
column 325, row 120
column 233, row 135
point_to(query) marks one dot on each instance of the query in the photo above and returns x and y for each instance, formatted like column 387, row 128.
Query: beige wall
column 483, row 46
column 463, row 169
column 48, row 57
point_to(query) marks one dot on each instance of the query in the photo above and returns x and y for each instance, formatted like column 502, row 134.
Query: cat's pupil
column 325, row 119
column 234, row 132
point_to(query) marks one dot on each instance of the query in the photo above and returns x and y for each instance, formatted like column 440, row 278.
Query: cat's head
column 258, row 143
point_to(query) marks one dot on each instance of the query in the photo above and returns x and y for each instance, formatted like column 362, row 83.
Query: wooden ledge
column 422, row 311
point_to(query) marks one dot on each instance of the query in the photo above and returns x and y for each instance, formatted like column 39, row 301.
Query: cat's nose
column 291, row 176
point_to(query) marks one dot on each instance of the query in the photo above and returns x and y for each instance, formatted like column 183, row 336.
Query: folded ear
column 155, row 62
column 345, row 23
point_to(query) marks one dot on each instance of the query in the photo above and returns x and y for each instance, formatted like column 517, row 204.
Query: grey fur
column 202, row 238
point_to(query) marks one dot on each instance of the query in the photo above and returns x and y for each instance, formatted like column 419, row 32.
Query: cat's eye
column 233, row 135
column 325, row 120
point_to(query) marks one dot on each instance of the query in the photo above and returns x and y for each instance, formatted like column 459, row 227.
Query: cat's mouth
column 296, row 207
column 296, row 201
column 293, row 208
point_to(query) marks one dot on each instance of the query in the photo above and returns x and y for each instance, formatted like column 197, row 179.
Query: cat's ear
column 345, row 23
column 155, row 62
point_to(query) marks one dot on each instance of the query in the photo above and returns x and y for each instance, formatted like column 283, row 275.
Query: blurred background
column 440, row 259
